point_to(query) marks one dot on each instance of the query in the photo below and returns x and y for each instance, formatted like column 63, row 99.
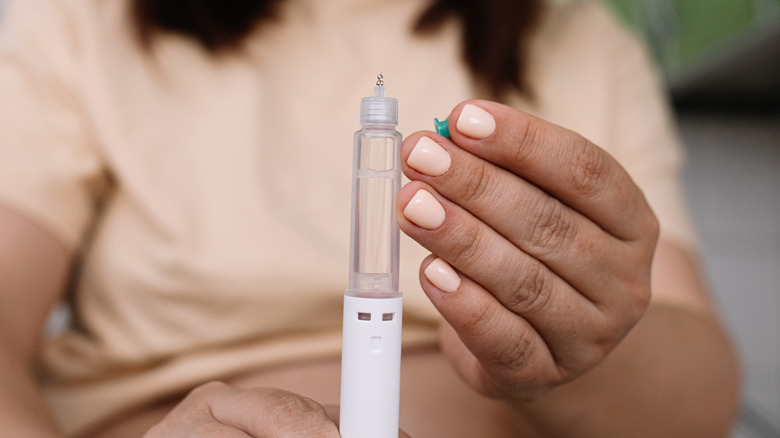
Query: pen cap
column 379, row 110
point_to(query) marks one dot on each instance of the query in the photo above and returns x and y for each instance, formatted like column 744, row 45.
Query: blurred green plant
column 683, row 34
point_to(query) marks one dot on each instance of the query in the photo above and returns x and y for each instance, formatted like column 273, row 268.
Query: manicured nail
column 441, row 275
column 424, row 210
column 475, row 122
column 429, row 157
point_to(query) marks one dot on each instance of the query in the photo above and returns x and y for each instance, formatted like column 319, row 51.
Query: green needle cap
column 442, row 127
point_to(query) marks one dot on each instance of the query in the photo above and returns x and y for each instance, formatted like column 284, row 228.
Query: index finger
column 561, row 162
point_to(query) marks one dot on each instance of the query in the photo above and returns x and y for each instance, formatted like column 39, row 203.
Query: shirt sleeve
column 50, row 168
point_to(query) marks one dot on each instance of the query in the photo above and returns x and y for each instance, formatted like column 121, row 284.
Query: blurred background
column 721, row 62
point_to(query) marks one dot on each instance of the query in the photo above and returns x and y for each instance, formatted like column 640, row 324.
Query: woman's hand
column 550, row 239
column 218, row 410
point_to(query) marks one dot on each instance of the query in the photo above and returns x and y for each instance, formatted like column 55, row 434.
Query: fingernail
column 424, row 210
column 429, row 157
column 441, row 275
column 475, row 122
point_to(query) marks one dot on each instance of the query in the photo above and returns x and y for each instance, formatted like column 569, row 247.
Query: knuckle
column 478, row 321
column 652, row 229
column 600, row 348
column 587, row 358
column 293, row 415
column 517, row 352
column 551, row 227
column 648, row 228
column 639, row 300
column 589, row 355
column 287, row 406
column 635, row 288
column 476, row 184
column 604, row 342
column 467, row 242
column 310, row 405
column 532, row 291
column 587, row 169
column 205, row 390
column 525, row 135
column 607, row 335
column 639, row 290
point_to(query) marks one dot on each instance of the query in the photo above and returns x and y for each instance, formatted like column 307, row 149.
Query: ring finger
column 518, row 281
column 540, row 225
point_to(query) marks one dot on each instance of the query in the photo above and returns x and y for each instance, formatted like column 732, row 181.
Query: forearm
column 23, row 412
column 674, row 375
column 33, row 270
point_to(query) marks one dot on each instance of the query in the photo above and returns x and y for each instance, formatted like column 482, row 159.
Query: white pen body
column 371, row 367
column 371, row 349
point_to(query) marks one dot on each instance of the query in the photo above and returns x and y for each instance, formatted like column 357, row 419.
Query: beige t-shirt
column 209, row 197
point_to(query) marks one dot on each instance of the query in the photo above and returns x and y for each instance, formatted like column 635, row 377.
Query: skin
column 545, row 229
column 570, row 318
column 217, row 409
column 556, row 245
column 33, row 269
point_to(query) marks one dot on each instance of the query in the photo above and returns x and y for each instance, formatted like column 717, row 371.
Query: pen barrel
column 370, row 367
column 375, row 235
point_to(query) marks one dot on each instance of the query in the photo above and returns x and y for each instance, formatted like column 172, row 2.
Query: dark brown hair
column 495, row 32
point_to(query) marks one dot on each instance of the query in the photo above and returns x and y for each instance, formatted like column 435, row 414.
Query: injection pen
column 371, row 348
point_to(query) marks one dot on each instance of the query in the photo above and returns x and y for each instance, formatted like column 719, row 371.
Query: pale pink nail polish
column 429, row 157
column 424, row 210
column 441, row 275
column 475, row 122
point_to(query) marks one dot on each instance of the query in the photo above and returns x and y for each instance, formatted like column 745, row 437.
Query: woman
column 186, row 164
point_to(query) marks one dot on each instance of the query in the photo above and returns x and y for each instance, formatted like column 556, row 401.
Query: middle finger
column 494, row 266
column 543, row 227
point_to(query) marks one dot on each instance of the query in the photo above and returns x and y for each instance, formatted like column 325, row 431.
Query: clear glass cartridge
column 376, row 181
